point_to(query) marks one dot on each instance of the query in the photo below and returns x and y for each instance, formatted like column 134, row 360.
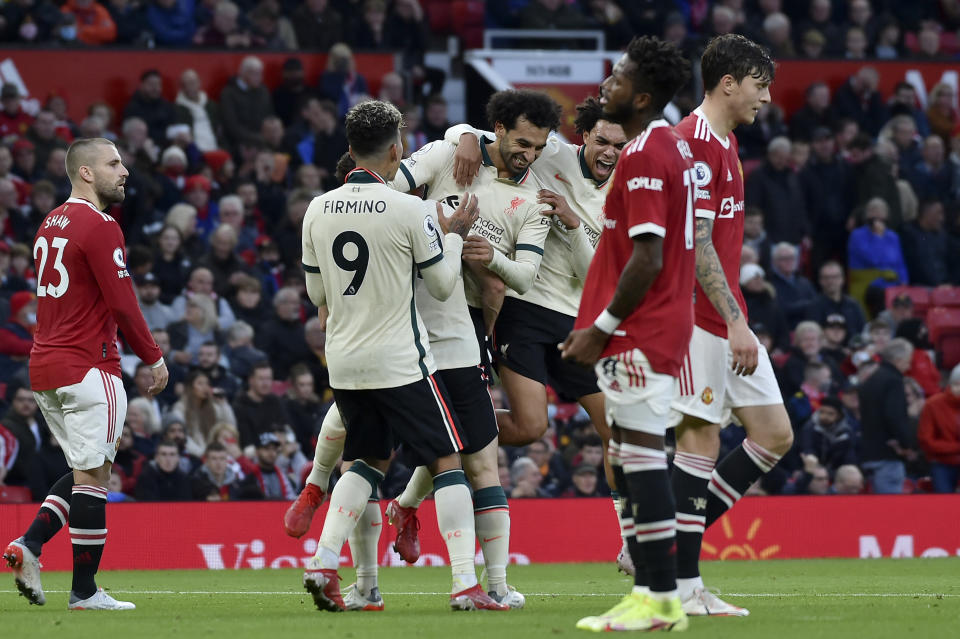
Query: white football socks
column 329, row 447
column 493, row 531
column 347, row 503
column 417, row 489
column 364, row 541
column 455, row 521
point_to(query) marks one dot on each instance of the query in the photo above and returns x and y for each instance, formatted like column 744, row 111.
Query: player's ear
column 640, row 102
column 499, row 130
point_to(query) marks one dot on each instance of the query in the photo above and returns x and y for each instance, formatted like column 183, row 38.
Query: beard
column 109, row 193
column 618, row 114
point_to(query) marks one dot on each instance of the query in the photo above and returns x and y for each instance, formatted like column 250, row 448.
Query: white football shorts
column 637, row 397
column 707, row 388
column 86, row 418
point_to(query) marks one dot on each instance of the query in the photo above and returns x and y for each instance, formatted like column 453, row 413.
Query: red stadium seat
column 919, row 294
column 944, row 326
column 439, row 13
column 945, row 296
column 15, row 495
column 467, row 17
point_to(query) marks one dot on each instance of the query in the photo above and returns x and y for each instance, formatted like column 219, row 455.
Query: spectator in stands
column 129, row 460
column 872, row 178
column 200, row 284
column 816, row 112
column 902, row 131
column 755, row 235
column 435, row 121
column 248, row 302
column 288, row 238
column 10, row 281
column 859, row 99
column 172, row 22
column 886, row 441
column 828, row 437
column 224, row 30
column 762, row 304
column 231, row 213
column 240, row 352
column 303, row 406
column 932, row 177
column 856, row 43
column 198, row 327
column 370, row 30
column 43, row 135
column 833, row 301
column 795, row 293
column 874, row 250
column 272, row 482
column 583, row 482
column 201, row 408
column 222, row 260
column 340, row 81
column 244, row 103
column 552, row 14
column 775, row 189
column 938, row 435
column 282, row 336
column 16, row 335
column 929, row 253
column 819, row 19
column 142, row 381
column 847, row 481
column 904, row 102
column 807, row 347
column 922, row 368
column 928, row 42
column 292, row 90
column 217, row 479
column 171, row 266
column 525, row 478
column 14, row 121
column 835, row 336
column 195, row 107
column 825, row 181
column 802, row 401
column 162, row 479
column 258, row 410
column 157, row 314
column 941, row 113
column 223, row 383
column 95, row 25
column 148, row 104
column 776, row 31
column 272, row 29
column 24, row 421
column 888, row 44
column 318, row 26
column 321, row 137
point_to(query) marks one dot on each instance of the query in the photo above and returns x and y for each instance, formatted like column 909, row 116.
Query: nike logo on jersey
column 333, row 439
column 489, row 539
column 375, row 523
column 561, row 178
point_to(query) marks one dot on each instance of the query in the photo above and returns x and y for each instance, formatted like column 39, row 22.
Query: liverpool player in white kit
column 84, row 294
column 726, row 369
column 636, row 317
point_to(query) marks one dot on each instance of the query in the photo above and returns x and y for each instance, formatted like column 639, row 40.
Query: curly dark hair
column 733, row 54
column 538, row 108
column 344, row 165
column 589, row 112
column 660, row 69
column 372, row 126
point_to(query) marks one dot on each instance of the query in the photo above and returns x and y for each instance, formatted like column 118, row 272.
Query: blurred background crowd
column 850, row 264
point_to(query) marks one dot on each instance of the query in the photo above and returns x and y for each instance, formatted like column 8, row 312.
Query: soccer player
column 726, row 367
column 510, row 214
column 363, row 246
column 636, row 317
column 529, row 326
column 84, row 294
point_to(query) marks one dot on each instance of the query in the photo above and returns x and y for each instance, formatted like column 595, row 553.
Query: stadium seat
column 919, row 294
column 467, row 17
column 945, row 296
column 15, row 495
column 439, row 13
column 944, row 326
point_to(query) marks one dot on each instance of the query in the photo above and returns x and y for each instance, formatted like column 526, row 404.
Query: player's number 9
column 41, row 248
column 357, row 265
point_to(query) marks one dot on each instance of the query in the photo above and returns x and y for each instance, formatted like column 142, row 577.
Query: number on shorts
column 357, row 265
column 42, row 249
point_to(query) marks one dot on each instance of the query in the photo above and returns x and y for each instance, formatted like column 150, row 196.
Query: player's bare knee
column 698, row 437
column 481, row 467
column 443, row 464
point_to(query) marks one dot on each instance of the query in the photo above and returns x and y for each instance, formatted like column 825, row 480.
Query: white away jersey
column 367, row 240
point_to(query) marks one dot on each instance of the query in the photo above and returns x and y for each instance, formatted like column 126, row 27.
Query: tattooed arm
column 713, row 281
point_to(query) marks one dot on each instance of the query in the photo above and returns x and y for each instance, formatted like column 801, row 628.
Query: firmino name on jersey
column 337, row 207
column 57, row 220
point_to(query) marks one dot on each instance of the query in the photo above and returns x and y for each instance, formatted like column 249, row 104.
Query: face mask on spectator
column 68, row 32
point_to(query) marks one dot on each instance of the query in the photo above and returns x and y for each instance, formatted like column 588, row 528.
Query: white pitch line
column 899, row 595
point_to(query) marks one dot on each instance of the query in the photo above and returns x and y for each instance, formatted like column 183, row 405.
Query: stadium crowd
column 851, row 195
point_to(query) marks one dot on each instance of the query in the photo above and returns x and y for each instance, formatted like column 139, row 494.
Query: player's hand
column 160, row 378
column 462, row 219
column 560, row 208
column 323, row 313
column 477, row 249
column 743, row 345
column 584, row 346
column 467, row 160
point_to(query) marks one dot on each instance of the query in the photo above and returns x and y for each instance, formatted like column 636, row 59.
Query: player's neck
column 88, row 195
column 639, row 123
column 493, row 150
column 721, row 123
column 380, row 168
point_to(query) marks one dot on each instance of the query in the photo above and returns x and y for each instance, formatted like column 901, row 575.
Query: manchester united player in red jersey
column 726, row 369
column 84, row 294
column 636, row 317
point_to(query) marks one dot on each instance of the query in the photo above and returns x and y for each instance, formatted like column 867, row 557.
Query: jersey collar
column 585, row 170
column 80, row 200
column 724, row 142
column 516, row 179
column 361, row 175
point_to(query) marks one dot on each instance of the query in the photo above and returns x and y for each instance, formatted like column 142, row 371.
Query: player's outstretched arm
column 468, row 159
column 584, row 346
column 713, row 281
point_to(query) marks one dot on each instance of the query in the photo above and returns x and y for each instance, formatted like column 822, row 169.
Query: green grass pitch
column 849, row 599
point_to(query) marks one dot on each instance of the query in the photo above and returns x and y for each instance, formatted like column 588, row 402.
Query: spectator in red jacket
column 16, row 336
column 94, row 24
column 939, row 435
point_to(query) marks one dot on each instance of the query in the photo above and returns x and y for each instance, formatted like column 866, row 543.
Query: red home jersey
column 83, row 294
column 718, row 177
column 652, row 192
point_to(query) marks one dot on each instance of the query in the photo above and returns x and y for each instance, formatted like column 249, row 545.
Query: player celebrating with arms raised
column 726, row 368
column 84, row 294
column 636, row 317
